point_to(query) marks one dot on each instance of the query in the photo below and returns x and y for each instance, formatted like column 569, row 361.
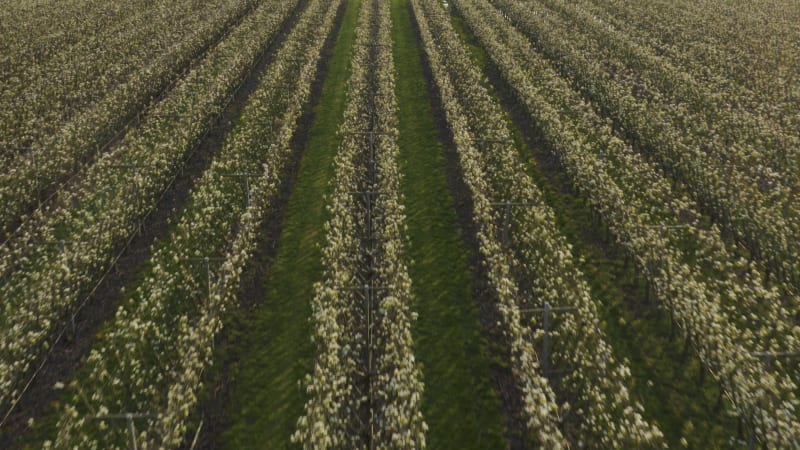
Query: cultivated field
column 399, row 224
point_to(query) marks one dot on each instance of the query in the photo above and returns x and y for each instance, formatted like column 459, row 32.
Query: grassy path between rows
column 666, row 380
column 275, row 347
column 460, row 407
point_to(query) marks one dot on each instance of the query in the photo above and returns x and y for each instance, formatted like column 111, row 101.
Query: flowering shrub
column 365, row 390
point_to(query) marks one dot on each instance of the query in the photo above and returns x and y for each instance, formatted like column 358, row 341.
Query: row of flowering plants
column 718, row 299
column 746, row 53
column 39, row 44
column 59, row 122
column 33, row 34
column 530, row 265
column 365, row 390
column 151, row 358
column 740, row 166
column 63, row 251
column 738, row 281
column 662, row 81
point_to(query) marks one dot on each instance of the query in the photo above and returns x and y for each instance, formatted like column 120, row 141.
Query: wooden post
column 368, row 289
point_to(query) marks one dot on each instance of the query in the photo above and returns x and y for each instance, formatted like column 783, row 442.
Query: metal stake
column 546, row 325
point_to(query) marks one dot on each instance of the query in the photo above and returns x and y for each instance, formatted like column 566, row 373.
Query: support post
column 129, row 419
column 245, row 176
column 369, row 290
column 546, row 325
column 207, row 263
column 506, row 225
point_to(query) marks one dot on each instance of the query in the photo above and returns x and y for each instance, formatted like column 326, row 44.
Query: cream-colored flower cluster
column 152, row 357
column 534, row 267
column 717, row 299
column 45, row 280
column 366, row 388
column 72, row 103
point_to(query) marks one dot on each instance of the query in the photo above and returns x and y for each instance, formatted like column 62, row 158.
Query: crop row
column 687, row 103
column 62, row 252
column 736, row 164
column 712, row 295
column 738, row 47
column 768, row 98
column 151, row 358
column 63, row 123
column 33, row 34
column 530, row 265
column 38, row 41
column 83, row 74
column 365, row 390
column 740, row 284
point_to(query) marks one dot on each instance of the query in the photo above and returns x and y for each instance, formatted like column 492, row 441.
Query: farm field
column 400, row 224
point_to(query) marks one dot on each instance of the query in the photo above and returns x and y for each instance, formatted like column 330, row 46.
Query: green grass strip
column 275, row 348
column 460, row 406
